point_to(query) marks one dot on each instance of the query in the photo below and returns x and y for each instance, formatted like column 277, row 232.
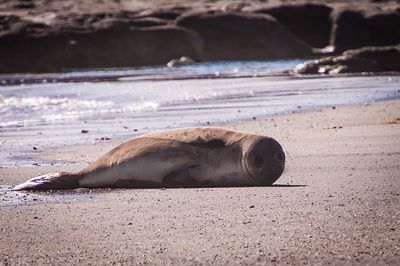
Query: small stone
column 103, row 138
column 84, row 131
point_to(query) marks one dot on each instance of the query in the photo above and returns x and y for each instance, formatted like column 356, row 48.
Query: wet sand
column 336, row 203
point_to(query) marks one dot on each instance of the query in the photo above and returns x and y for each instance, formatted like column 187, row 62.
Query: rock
column 360, row 28
column 367, row 59
column 184, row 60
column 90, row 41
column 148, row 22
column 88, row 22
column 168, row 14
column 310, row 22
column 243, row 36
column 14, row 25
column 24, row 4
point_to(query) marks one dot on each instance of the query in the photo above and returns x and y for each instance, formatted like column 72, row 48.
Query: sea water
column 48, row 110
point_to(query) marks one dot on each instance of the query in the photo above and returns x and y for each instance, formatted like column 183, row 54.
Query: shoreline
column 66, row 157
column 255, row 97
column 339, row 198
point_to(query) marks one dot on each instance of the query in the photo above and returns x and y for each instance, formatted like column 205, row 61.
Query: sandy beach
column 79, row 77
column 336, row 203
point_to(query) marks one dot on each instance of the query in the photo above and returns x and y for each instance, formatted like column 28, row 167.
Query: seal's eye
column 258, row 161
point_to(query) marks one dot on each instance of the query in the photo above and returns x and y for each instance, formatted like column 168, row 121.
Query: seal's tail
column 54, row 181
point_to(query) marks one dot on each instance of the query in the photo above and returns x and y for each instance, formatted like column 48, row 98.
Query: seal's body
column 188, row 157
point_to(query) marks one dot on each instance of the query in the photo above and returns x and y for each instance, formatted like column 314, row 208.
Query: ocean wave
column 22, row 111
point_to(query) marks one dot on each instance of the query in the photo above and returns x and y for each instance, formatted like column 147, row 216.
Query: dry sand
column 336, row 203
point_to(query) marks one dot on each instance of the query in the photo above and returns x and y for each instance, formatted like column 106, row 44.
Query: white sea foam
column 183, row 101
column 22, row 111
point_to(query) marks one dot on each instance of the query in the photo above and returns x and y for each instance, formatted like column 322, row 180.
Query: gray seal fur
column 187, row 157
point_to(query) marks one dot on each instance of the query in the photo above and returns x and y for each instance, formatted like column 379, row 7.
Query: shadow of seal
column 186, row 157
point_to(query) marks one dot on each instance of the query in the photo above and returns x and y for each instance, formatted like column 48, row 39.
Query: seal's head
column 263, row 159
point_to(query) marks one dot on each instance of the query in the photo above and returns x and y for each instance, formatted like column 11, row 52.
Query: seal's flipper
column 185, row 177
column 51, row 181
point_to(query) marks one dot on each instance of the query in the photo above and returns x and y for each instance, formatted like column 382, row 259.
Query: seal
column 187, row 157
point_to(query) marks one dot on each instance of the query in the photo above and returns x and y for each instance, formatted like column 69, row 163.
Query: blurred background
column 54, row 35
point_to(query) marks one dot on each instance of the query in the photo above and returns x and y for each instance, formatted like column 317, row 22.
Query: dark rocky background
column 55, row 35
